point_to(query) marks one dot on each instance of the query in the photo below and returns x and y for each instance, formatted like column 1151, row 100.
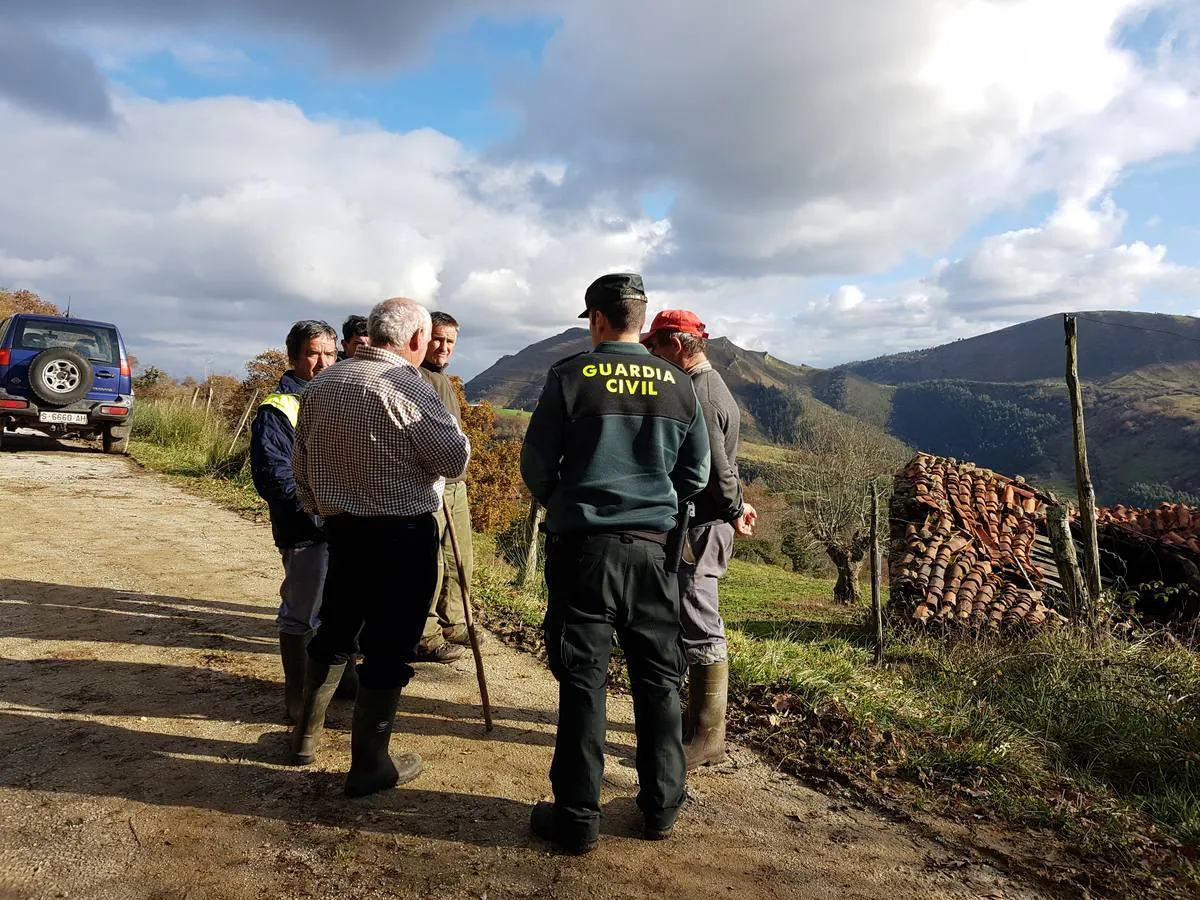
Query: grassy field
column 1099, row 743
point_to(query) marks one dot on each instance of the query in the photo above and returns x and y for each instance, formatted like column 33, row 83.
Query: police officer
column 616, row 443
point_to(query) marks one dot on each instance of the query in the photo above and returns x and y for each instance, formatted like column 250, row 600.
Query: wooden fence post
column 1083, row 476
column 1066, row 559
column 536, row 513
column 242, row 422
column 876, row 574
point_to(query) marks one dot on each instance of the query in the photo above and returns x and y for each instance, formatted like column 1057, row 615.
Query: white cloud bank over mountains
column 800, row 142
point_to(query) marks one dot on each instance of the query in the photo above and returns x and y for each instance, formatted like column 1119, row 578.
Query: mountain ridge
column 998, row 399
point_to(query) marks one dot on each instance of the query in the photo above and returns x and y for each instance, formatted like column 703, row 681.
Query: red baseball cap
column 681, row 320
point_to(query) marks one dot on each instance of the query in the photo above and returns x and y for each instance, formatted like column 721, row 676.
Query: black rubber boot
column 293, row 652
column 708, row 694
column 347, row 689
column 319, row 684
column 543, row 822
column 372, row 767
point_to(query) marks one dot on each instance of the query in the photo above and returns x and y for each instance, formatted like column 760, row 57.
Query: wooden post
column 1067, row 560
column 242, row 421
column 195, row 396
column 1083, row 476
column 208, row 405
column 536, row 513
column 876, row 574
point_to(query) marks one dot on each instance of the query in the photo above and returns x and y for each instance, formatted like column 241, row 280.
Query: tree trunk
column 848, row 564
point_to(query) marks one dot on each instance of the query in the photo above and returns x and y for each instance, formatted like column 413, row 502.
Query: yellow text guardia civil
column 629, row 379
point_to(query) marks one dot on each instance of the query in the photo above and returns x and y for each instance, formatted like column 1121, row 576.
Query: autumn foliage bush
column 498, row 496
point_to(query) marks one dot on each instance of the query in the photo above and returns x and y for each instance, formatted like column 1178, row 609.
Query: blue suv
column 65, row 377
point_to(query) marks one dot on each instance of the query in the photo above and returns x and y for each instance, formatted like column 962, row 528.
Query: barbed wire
column 1174, row 334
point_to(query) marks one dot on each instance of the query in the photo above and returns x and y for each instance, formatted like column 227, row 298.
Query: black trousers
column 599, row 584
column 382, row 571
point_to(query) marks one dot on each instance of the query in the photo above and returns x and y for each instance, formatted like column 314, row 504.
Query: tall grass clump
column 183, row 440
column 1125, row 713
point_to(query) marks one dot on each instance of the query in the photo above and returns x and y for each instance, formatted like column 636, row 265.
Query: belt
column 657, row 537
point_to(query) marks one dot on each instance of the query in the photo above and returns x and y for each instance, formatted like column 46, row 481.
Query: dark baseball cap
column 608, row 289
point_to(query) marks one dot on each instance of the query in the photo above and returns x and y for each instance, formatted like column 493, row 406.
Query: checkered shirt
column 374, row 439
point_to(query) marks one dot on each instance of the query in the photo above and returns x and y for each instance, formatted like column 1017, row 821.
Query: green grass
column 504, row 412
column 182, row 442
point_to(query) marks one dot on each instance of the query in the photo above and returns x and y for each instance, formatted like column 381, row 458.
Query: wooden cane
column 466, row 596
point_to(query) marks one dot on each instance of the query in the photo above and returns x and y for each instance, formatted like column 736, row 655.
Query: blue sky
column 813, row 181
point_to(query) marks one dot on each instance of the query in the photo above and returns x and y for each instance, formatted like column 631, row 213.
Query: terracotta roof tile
column 963, row 542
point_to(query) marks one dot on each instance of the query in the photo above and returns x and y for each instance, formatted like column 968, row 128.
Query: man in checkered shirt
column 374, row 445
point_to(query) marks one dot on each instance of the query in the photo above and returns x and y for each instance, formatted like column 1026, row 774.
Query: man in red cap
column 678, row 336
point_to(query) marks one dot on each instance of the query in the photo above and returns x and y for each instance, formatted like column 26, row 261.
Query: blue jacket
column 271, row 439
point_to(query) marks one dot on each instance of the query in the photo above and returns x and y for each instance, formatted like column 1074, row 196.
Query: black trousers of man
column 382, row 571
column 599, row 584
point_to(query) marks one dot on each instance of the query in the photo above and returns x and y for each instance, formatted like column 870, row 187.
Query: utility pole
column 1083, row 475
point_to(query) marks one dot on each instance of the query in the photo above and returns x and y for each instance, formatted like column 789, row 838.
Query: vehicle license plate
column 63, row 418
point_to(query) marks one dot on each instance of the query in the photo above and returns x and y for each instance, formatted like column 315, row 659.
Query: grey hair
column 303, row 332
column 395, row 321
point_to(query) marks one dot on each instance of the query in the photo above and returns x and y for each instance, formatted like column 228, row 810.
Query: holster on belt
column 677, row 536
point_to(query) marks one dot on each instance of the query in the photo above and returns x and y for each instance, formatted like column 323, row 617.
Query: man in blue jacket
column 311, row 347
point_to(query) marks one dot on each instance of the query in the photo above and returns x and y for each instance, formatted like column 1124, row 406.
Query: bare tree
column 835, row 461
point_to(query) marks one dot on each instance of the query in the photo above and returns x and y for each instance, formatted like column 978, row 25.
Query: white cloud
column 823, row 138
column 205, row 227
column 796, row 140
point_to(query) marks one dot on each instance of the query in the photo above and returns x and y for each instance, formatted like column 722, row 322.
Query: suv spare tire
column 59, row 376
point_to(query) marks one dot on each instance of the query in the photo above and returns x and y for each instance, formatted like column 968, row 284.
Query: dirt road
column 140, row 743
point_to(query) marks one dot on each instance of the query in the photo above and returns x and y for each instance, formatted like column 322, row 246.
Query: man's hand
column 743, row 525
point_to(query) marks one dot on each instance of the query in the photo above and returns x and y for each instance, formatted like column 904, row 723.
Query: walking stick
column 466, row 595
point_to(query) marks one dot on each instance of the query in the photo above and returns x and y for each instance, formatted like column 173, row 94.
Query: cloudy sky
column 827, row 181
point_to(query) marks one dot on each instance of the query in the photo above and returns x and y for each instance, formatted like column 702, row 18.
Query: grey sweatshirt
column 721, row 500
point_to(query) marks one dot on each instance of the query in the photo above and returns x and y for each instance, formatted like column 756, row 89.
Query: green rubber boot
column 708, row 695
column 319, row 684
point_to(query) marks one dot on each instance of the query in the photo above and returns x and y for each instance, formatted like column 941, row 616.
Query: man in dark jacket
column 616, row 443
column 446, row 628
column 678, row 336
column 311, row 347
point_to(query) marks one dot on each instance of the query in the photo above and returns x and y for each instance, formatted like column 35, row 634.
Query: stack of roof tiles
column 1173, row 524
column 962, row 547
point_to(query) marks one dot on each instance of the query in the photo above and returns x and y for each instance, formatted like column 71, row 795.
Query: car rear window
column 93, row 342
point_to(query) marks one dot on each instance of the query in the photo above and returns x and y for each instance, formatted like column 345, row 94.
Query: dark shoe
column 293, row 653
column 708, row 694
column 543, row 822
column 372, row 767
column 657, row 834
column 459, row 634
column 347, row 688
column 444, row 652
column 319, row 684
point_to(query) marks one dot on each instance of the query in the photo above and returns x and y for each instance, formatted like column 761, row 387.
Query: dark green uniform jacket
column 616, row 442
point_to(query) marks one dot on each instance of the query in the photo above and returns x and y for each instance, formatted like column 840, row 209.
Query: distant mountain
column 998, row 399
column 774, row 395
column 515, row 381
column 1110, row 344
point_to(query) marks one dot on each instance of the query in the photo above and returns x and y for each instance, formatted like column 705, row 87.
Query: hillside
column 1110, row 344
column 515, row 381
column 998, row 399
column 776, row 397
